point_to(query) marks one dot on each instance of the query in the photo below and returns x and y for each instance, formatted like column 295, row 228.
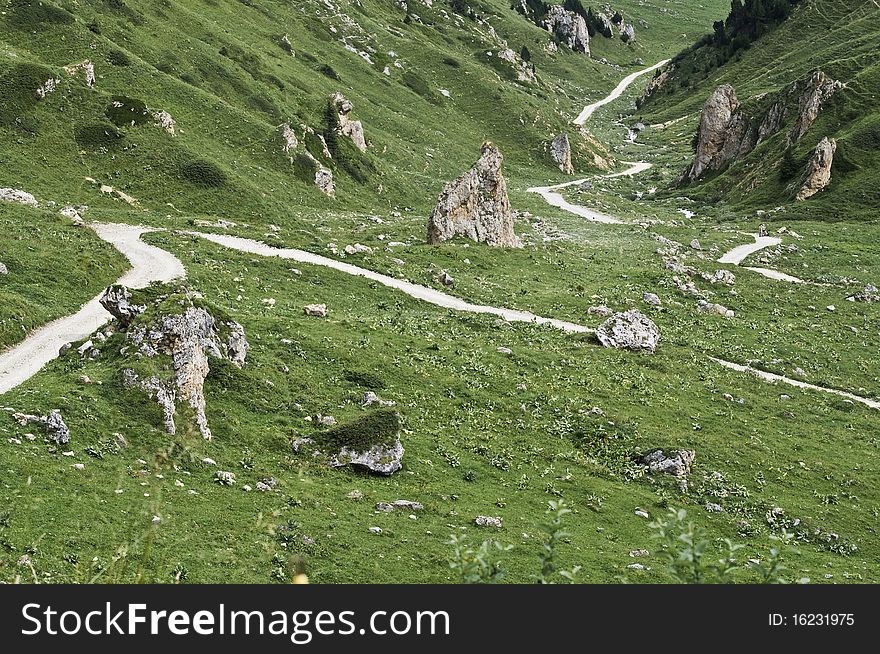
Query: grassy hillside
column 485, row 432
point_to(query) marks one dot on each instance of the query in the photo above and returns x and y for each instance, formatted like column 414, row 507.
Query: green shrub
column 127, row 111
column 201, row 172
column 20, row 83
column 368, row 380
column 376, row 428
column 118, row 58
column 98, row 136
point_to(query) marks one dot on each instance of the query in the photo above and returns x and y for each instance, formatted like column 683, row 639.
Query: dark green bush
column 20, row 83
column 201, row 172
column 124, row 111
column 376, row 428
column 368, row 380
column 98, row 136
column 118, row 58
column 35, row 15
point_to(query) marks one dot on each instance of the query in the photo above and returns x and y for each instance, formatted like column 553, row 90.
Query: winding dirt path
column 148, row 264
column 738, row 254
column 553, row 197
column 425, row 293
column 585, row 115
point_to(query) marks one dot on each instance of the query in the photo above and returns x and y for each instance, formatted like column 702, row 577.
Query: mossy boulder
column 371, row 442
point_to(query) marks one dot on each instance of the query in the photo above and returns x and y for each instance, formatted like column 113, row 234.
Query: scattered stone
column 636, row 566
column 652, row 299
column 164, row 120
column 642, row 514
column 224, row 478
column 375, row 530
column 355, row 495
column 639, row 553
column 53, row 423
column 387, row 507
column 488, row 521
column 358, row 248
column 714, row 309
column 720, row 277
column 3, row 269
column 695, row 244
column 631, row 330
column 676, row 463
column 504, row 350
column 317, row 310
column 87, row 68
column 370, row 398
column 869, row 294
column 712, row 507
column 560, row 151
column 445, row 278
column 476, row 205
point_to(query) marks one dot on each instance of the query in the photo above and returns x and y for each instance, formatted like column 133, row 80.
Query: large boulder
column 15, row 195
column 476, row 205
column 676, row 463
column 345, row 126
column 371, row 443
column 182, row 331
column 630, row 330
column 560, row 150
column 818, row 173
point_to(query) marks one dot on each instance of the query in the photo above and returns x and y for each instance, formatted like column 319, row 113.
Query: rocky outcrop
column 818, row 173
column 560, row 150
column 570, row 28
column 475, row 205
column 324, row 181
column 815, row 92
column 164, row 120
column 178, row 329
column 371, row 443
column 677, row 463
column 630, row 330
column 289, row 142
column 728, row 132
column 345, row 126
column 22, row 197
column 524, row 71
column 717, row 135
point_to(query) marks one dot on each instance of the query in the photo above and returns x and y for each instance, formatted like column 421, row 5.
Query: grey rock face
column 560, row 150
column 631, row 330
column 816, row 92
column 117, row 301
column 714, row 309
column 661, row 77
column 677, row 462
column 476, row 205
column 818, row 172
